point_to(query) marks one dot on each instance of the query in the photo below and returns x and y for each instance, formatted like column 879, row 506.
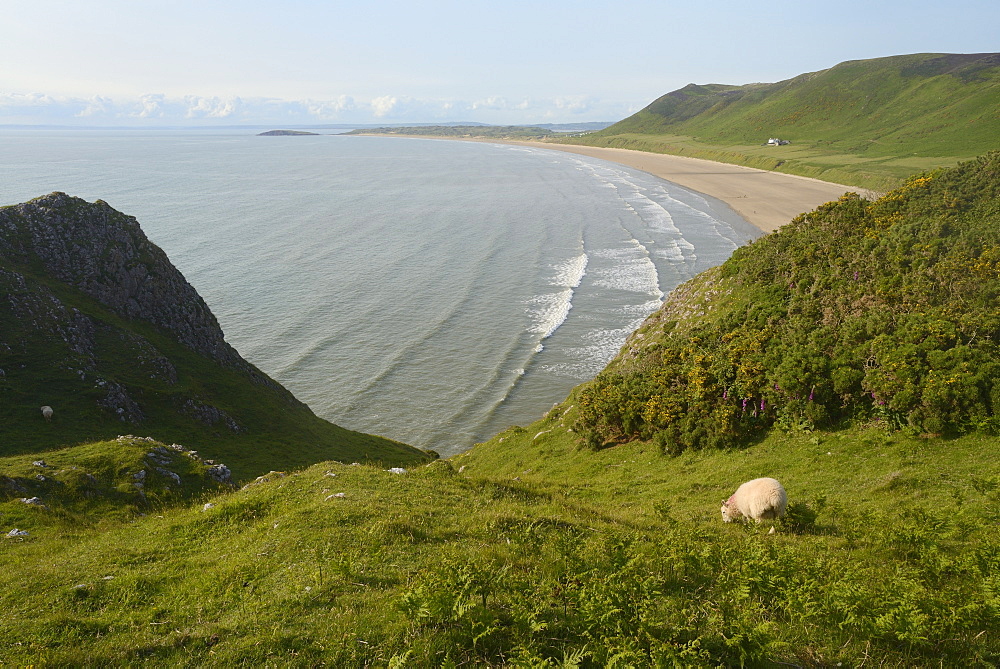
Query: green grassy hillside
column 866, row 123
column 111, row 337
column 885, row 309
column 527, row 552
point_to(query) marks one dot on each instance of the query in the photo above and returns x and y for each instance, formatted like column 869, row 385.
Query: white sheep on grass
column 760, row 499
column 47, row 412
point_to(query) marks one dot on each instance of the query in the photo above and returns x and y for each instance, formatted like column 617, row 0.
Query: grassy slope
column 279, row 434
column 536, row 552
column 866, row 123
column 856, row 309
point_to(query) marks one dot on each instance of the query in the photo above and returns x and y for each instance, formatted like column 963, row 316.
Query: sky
column 312, row 62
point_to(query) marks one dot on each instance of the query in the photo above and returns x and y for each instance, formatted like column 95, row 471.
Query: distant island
column 284, row 133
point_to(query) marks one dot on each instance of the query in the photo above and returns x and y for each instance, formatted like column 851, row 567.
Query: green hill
column 97, row 324
column 885, row 310
column 867, row 123
column 534, row 550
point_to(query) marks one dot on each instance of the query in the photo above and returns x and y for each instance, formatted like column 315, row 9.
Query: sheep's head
column 730, row 512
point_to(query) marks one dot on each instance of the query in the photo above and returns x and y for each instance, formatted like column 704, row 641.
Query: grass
column 874, row 173
column 527, row 551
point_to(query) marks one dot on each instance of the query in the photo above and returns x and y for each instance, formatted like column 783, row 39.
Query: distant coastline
column 766, row 200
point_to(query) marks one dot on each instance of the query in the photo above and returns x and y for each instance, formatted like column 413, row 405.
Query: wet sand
column 764, row 199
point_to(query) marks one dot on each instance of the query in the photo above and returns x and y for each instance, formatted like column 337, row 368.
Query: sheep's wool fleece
column 760, row 499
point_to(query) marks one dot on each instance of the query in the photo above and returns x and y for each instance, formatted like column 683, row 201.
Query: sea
column 434, row 292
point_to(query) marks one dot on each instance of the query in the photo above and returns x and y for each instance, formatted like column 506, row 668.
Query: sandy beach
column 764, row 199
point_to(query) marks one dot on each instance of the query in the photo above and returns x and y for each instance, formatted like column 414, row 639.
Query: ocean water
column 431, row 291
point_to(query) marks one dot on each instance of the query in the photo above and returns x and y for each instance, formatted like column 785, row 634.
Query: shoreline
column 766, row 200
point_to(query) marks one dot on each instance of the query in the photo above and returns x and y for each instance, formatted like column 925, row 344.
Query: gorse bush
column 884, row 309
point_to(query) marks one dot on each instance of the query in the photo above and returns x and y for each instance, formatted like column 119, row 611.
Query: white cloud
column 222, row 108
column 384, row 105
column 329, row 110
column 149, row 106
column 96, row 107
column 494, row 102
column 158, row 109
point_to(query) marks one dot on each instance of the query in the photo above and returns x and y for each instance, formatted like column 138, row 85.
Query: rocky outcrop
column 99, row 329
column 105, row 254
column 210, row 415
column 59, row 240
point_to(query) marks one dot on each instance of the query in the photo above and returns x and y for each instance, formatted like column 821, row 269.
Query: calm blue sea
column 430, row 291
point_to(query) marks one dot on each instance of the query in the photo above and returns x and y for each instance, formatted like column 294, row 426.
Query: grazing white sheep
column 47, row 412
column 758, row 499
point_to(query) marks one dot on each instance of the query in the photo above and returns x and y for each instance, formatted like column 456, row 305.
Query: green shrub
column 859, row 309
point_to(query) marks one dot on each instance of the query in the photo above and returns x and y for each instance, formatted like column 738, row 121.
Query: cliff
column 97, row 323
column 104, row 254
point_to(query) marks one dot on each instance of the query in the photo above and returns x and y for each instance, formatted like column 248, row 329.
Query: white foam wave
column 570, row 273
column 631, row 269
column 672, row 252
column 699, row 212
column 657, row 218
column 549, row 310
column 640, row 311
column 598, row 348
column 651, row 208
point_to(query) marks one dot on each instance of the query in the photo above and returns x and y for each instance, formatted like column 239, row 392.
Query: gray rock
column 221, row 474
column 173, row 476
column 119, row 402
column 105, row 254
column 210, row 415
column 160, row 458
